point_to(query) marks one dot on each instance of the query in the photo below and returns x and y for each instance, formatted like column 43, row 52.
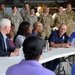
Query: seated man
column 37, row 29
column 32, row 48
column 5, row 48
column 58, row 38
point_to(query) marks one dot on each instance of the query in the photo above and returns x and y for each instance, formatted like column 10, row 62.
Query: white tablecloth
column 6, row 62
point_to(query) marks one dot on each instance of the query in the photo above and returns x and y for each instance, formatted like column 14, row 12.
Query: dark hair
column 32, row 47
column 26, row 3
column 14, row 7
column 23, row 29
column 60, row 6
column 12, row 25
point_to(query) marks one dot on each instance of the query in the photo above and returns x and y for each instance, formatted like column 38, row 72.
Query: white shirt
column 5, row 37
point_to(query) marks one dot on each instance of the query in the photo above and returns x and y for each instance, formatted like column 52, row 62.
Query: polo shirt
column 54, row 37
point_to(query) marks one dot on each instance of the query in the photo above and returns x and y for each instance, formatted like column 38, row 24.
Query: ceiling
column 34, row 2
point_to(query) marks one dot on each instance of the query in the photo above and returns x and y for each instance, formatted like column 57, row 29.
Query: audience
column 32, row 49
column 39, row 11
column 47, row 21
column 59, row 17
column 25, row 11
column 5, row 48
column 69, row 18
column 3, row 12
column 31, row 18
column 24, row 31
column 15, row 18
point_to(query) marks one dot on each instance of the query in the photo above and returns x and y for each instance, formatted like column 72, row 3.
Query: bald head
column 37, row 24
column 38, row 27
column 63, row 25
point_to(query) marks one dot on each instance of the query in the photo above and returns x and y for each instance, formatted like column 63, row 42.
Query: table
column 6, row 62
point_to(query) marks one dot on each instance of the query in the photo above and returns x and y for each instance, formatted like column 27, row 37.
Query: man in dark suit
column 5, row 48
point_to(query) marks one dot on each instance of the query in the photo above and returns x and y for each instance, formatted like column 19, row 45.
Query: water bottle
column 73, row 43
column 47, row 45
column 21, row 53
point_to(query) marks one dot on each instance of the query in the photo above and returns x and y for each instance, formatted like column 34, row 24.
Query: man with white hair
column 5, row 48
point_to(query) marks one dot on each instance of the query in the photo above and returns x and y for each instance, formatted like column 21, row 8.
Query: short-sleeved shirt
column 54, row 37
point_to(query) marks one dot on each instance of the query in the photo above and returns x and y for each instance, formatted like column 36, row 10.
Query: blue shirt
column 28, row 67
column 73, row 70
column 71, row 37
column 54, row 37
column 34, row 34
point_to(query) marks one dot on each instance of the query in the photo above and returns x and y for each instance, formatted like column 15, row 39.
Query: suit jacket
column 3, row 51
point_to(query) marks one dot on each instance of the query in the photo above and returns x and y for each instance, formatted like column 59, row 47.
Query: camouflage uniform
column 58, row 19
column 24, row 14
column 3, row 14
column 16, row 20
column 47, row 21
column 31, row 19
column 70, row 18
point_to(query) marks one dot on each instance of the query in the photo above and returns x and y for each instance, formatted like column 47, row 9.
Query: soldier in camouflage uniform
column 15, row 18
column 25, row 11
column 70, row 18
column 3, row 13
column 59, row 17
column 47, row 21
column 32, row 18
column 39, row 12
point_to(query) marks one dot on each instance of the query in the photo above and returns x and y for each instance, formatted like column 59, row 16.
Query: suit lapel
column 2, row 42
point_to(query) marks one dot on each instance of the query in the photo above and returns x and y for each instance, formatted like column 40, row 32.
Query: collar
column 59, row 35
column 31, row 62
column 4, row 35
column 33, row 33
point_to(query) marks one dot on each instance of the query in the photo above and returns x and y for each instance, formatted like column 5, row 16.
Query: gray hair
column 4, row 22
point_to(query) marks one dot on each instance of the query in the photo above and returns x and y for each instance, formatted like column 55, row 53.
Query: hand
column 66, row 45
column 15, row 53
